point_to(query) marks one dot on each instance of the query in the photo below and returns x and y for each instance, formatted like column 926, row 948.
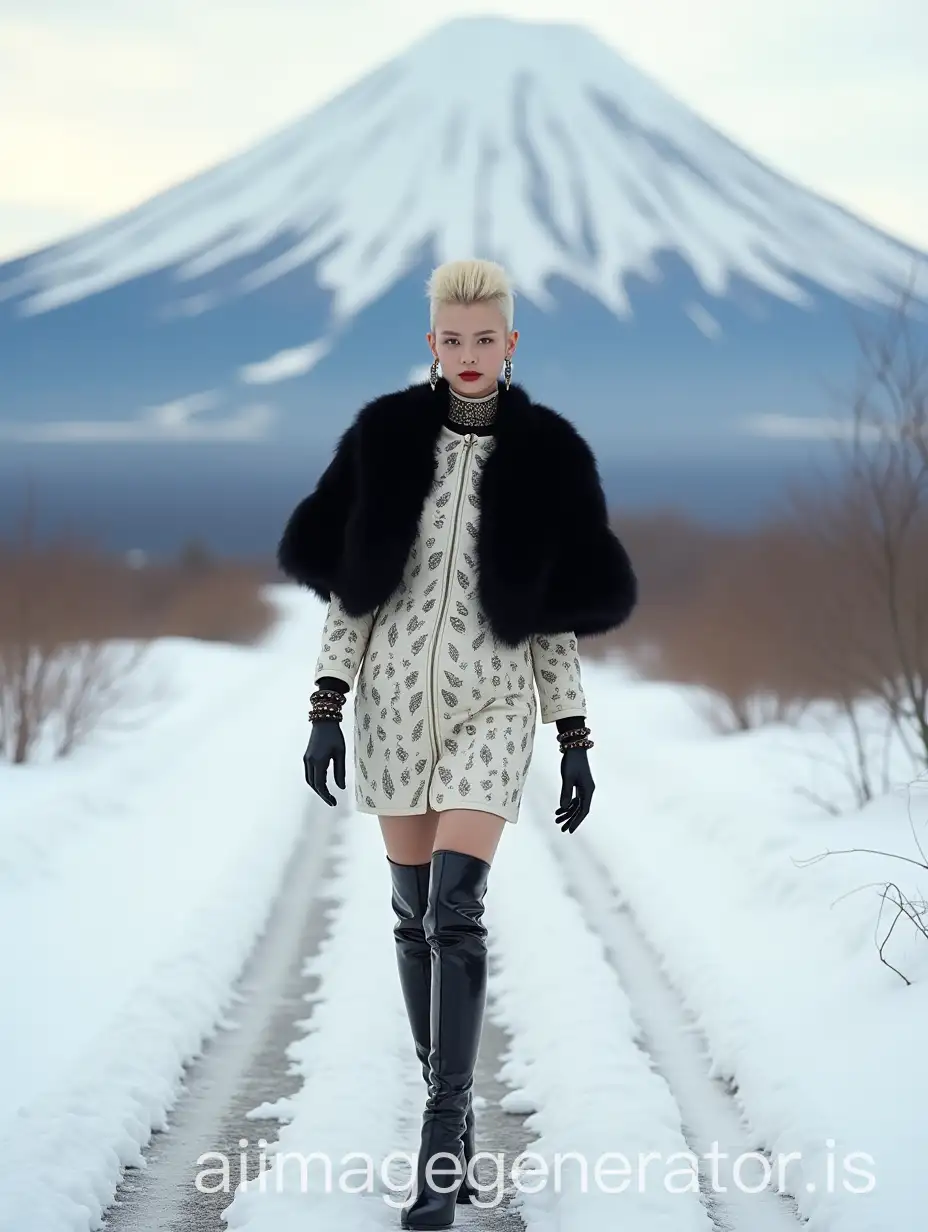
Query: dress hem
column 455, row 804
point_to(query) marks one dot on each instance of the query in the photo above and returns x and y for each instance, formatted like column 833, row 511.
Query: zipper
column 463, row 476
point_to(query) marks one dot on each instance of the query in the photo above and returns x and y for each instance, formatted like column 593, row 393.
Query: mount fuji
column 679, row 300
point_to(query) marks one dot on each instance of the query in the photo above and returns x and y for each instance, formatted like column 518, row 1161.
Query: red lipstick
column 471, row 376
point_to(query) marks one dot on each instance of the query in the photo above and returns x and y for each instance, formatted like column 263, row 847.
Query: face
column 471, row 338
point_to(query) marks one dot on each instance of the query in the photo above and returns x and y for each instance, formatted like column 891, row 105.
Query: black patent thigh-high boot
column 457, row 936
column 414, row 962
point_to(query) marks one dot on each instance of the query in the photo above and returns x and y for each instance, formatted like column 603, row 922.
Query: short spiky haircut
column 470, row 282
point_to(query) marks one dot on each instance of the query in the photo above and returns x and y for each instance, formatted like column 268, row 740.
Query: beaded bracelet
column 574, row 738
column 322, row 695
column 576, row 744
column 573, row 733
column 326, row 704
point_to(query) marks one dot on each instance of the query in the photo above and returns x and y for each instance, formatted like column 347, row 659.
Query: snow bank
column 777, row 962
column 134, row 880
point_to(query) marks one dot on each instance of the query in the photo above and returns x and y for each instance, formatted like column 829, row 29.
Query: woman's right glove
column 326, row 744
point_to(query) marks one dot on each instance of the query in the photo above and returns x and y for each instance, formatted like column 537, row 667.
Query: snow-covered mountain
column 557, row 155
column 675, row 295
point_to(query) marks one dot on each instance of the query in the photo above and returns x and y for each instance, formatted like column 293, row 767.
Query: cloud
column 172, row 421
column 704, row 321
column 292, row 362
column 808, row 428
column 192, row 306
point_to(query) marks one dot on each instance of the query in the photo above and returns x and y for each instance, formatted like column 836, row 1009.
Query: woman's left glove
column 577, row 789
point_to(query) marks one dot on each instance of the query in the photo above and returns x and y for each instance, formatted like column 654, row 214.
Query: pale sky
column 105, row 102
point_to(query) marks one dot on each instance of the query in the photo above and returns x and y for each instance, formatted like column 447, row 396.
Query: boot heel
column 467, row 1192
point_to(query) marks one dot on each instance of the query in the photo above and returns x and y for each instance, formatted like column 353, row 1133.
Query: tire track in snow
column 677, row 1046
column 240, row 1066
column 597, row 1105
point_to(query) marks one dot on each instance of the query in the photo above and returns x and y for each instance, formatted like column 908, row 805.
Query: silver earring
column 508, row 371
column 433, row 374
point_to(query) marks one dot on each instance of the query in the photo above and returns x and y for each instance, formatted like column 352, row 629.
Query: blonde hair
column 473, row 281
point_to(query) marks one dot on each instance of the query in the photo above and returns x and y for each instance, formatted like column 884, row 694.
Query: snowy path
column 567, row 961
column 238, row 1067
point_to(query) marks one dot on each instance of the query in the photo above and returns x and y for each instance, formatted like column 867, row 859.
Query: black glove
column 326, row 743
column 576, row 778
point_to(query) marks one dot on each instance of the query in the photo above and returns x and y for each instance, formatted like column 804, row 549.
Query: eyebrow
column 453, row 333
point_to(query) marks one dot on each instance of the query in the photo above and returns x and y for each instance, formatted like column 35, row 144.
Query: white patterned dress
column 444, row 715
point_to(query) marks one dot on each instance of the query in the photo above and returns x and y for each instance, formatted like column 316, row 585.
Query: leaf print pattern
column 338, row 659
column 556, row 667
column 444, row 715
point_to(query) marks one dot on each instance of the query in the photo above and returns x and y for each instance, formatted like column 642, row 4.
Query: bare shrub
column 895, row 903
column 717, row 609
column 75, row 624
column 224, row 604
column 58, row 673
column 867, row 538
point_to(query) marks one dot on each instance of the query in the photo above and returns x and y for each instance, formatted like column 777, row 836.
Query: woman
column 459, row 536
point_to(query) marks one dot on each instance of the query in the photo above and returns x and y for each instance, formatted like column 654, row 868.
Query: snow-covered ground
column 135, row 878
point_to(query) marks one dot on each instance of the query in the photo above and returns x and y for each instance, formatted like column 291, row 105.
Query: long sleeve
column 556, row 664
column 344, row 641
